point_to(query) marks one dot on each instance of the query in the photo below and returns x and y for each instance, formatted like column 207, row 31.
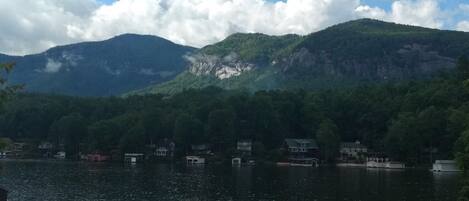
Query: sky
column 33, row 26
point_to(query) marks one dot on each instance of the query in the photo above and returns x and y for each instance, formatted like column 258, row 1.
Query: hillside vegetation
column 349, row 54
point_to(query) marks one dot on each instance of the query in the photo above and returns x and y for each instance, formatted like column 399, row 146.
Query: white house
column 194, row 160
column 165, row 148
column 236, row 161
column 244, row 147
column 60, row 155
column 352, row 151
column 161, row 151
column 445, row 166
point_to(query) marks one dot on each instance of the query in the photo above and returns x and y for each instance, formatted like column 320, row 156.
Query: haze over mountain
column 347, row 54
column 111, row 67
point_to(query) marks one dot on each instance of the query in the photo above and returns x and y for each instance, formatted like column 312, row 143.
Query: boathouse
column 134, row 157
column 195, row 160
column 445, row 166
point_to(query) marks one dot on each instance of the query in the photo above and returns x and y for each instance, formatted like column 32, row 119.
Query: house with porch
column 353, row 152
column 243, row 153
column 244, row 147
column 165, row 149
column 302, row 152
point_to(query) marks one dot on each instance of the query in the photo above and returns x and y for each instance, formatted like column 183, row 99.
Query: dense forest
column 414, row 121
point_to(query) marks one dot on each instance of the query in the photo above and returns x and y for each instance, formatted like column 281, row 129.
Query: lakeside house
column 201, row 149
column 199, row 152
column 243, row 153
column 18, row 150
column 60, row 155
column 46, row 149
column 380, row 161
column 353, row 152
column 195, row 160
column 445, row 166
column 97, row 157
column 133, row 157
column 244, row 147
column 302, row 152
column 165, row 149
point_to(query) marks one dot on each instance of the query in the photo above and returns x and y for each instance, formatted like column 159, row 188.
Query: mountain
column 352, row 53
column 111, row 67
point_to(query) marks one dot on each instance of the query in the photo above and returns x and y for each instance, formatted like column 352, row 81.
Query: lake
column 60, row 181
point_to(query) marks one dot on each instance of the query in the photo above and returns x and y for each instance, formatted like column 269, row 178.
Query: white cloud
column 425, row 13
column 463, row 26
column 52, row 66
column 34, row 25
column 464, row 7
column 421, row 12
column 200, row 22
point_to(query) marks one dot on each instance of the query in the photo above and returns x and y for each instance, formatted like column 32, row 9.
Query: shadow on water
column 60, row 181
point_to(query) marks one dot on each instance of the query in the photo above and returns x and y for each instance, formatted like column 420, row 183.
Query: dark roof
column 200, row 147
column 303, row 143
column 244, row 141
column 352, row 145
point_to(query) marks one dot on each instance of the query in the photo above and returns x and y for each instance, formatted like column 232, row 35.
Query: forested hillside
column 403, row 120
column 349, row 54
column 101, row 68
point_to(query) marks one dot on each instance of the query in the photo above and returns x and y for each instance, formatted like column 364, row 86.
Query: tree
column 4, row 143
column 432, row 129
column 220, row 129
column 6, row 90
column 403, row 140
column 328, row 139
column 69, row 131
column 133, row 140
column 462, row 151
column 463, row 68
column 187, row 131
column 462, row 157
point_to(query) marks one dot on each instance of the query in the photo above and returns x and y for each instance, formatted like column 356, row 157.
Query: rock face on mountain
column 221, row 67
column 111, row 67
column 347, row 54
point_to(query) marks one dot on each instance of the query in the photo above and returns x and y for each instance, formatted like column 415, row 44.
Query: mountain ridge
column 100, row 68
column 353, row 53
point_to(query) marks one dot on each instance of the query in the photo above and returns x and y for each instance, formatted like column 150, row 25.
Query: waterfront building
column 133, row 157
column 195, row 160
column 353, row 151
column 60, row 155
column 302, row 152
column 165, row 149
column 445, row 166
column 244, row 147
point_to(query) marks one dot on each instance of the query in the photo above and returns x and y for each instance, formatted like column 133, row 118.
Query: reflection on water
column 60, row 181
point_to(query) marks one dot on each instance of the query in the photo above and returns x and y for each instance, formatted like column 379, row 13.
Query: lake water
column 60, row 181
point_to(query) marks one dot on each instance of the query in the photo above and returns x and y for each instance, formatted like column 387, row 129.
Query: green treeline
column 413, row 122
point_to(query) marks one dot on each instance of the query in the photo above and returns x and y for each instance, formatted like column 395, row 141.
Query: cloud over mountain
column 34, row 25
